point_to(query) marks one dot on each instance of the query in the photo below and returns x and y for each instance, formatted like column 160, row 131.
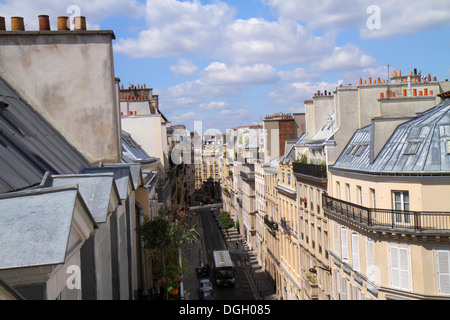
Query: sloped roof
column 122, row 175
column 29, row 145
column 35, row 226
column 96, row 190
column 133, row 152
column 419, row 147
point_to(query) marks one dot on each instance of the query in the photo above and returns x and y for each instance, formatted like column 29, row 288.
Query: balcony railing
column 317, row 171
column 409, row 221
column 273, row 226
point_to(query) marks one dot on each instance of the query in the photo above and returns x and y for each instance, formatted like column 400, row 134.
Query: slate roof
column 29, row 145
column 133, row 152
column 420, row 146
column 122, row 175
column 35, row 226
column 96, row 190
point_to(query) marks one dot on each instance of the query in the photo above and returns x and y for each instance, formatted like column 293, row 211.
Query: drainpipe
column 143, row 269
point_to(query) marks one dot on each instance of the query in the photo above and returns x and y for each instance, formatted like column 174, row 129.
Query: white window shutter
column 355, row 252
column 395, row 276
column 335, row 283
column 405, row 279
column 370, row 261
column 342, row 288
column 344, row 244
column 336, row 238
column 443, row 265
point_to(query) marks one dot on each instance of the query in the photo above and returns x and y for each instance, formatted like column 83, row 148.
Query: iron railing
column 388, row 218
column 318, row 171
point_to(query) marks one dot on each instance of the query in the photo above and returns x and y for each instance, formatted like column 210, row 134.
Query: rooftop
column 29, row 145
column 420, row 146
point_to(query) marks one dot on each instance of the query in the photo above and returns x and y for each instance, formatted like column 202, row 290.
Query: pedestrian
column 237, row 245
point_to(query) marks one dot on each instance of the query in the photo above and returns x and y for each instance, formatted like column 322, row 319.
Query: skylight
column 412, row 147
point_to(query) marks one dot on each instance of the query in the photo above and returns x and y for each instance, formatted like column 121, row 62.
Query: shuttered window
column 344, row 244
column 355, row 252
column 443, row 271
column 400, row 273
column 370, row 261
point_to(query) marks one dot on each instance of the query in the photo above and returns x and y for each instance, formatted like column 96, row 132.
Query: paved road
column 202, row 252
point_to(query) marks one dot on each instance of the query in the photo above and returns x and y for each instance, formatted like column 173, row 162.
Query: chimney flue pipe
column 44, row 22
column 17, row 24
column 63, row 23
column 80, row 23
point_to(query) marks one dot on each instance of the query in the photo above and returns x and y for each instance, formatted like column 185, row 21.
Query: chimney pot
column 2, row 24
column 63, row 23
column 80, row 23
column 17, row 24
column 44, row 22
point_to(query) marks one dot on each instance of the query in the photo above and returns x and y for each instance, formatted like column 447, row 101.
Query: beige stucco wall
column 147, row 131
column 68, row 77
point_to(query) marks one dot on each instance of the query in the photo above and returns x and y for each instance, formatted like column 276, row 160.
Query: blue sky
column 230, row 63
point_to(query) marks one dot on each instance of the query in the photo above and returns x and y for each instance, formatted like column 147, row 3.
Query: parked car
column 205, row 284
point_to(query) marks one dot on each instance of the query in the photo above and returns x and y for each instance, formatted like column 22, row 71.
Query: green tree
column 166, row 235
column 225, row 220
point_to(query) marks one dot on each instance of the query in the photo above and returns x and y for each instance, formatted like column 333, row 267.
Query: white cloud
column 403, row 17
column 184, row 67
column 220, row 74
column 336, row 14
column 279, row 42
column 294, row 94
column 398, row 17
column 177, row 27
column 215, row 105
column 348, row 57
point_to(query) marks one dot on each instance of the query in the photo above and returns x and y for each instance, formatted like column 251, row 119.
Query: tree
column 225, row 221
column 167, row 234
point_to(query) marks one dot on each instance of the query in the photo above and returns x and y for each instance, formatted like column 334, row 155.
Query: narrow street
column 202, row 253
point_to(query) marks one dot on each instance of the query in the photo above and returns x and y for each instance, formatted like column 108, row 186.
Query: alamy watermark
column 374, row 20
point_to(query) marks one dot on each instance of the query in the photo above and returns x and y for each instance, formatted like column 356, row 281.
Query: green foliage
column 225, row 220
column 163, row 236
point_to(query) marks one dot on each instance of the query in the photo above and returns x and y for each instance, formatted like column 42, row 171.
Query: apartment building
column 62, row 147
column 272, row 224
column 388, row 211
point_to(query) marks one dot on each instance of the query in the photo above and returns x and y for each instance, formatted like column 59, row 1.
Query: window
column 336, row 238
column 448, row 146
column 400, row 270
column 373, row 199
column 401, row 203
column 349, row 198
column 359, row 195
column 338, row 190
column 344, row 244
column 355, row 252
column 443, row 271
column 289, row 178
column 370, row 260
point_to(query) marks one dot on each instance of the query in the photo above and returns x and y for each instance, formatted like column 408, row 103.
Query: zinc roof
column 420, row 146
column 29, row 145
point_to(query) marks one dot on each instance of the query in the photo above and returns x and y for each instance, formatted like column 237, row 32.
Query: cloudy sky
column 230, row 63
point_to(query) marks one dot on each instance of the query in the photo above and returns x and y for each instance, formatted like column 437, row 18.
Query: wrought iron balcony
column 317, row 171
column 273, row 226
column 388, row 219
